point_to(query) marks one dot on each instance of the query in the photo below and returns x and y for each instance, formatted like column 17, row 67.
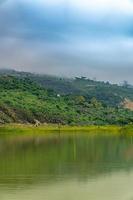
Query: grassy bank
column 22, row 128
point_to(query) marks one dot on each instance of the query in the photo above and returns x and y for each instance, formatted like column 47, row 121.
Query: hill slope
column 23, row 100
column 109, row 94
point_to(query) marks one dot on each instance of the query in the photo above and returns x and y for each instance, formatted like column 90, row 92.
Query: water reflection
column 85, row 165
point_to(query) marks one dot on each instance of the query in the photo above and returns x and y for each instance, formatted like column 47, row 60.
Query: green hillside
column 109, row 94
column 26, row 97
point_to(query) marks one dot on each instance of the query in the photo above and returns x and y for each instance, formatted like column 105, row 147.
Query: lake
column 66, row 167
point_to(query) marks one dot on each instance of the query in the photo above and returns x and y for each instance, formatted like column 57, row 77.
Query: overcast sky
column 93, row 38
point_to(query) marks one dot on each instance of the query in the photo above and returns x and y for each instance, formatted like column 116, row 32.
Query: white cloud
column 91, row 5
column 123, row 5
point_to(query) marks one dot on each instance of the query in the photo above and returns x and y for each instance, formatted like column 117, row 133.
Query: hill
column 26, row 97
column 109, row 94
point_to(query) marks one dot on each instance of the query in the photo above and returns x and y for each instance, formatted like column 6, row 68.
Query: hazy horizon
column 8, row 70
column 68, row 38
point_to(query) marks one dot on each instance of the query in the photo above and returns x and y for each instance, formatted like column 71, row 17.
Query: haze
column 68, row 37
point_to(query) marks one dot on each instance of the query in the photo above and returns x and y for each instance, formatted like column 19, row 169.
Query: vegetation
column 25, row 98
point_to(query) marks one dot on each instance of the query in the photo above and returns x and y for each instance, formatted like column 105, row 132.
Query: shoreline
column 23, row 128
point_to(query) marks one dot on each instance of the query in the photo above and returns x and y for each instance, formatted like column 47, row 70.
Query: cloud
column 72, row 37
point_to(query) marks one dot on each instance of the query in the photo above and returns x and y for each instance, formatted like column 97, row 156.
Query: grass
column 22, row 128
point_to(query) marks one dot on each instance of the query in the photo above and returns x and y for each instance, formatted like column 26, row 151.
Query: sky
column 92, row 38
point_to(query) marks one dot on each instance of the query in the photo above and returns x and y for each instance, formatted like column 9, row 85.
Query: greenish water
column 66, row 167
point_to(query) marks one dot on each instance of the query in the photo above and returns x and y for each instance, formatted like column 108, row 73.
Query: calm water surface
column 66, row 167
